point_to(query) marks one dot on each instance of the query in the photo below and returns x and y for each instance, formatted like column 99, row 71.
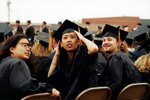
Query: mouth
column 27, row 54
column 69, row 45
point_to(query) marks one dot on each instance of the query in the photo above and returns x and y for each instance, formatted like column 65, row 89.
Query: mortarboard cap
column 110, row 31
column 68, row 26
column 4, row 28
column 141, row 33
column 43, row 36
column 89, row 35
column 123, row 35
column 130, row 38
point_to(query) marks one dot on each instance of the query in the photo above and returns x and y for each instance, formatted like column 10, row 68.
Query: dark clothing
column 137, row 53
column 16, row 81
column 45, row 29
column 30, row 33
column 120, row 72
column 145, row 77
column 19, row 30
column 43, row 67
column 71, row 79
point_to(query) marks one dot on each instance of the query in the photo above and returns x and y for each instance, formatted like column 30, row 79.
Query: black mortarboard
column 130, row 38
column 141, row 33
column 123, row 35
column 4, row 28
column 89, row 35
column 68, row 26
column 110, row 31
column 42, row 36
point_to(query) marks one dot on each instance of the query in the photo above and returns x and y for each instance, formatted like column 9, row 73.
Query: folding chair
column 41, row 96
column 135, row 91
column 95, row 93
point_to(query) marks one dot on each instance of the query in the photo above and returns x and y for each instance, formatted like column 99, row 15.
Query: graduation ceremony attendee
column 140, row 36
column 15, row 79
column 44, row 27
column 120, row 70
column 30, row 32
column 72, row 63
column 40, row 47
column 44, row 64
column 5, row 30
column 143, row 65
column 19, row 29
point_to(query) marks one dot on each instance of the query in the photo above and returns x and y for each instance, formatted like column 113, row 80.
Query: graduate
column 71, row 67
column 15, row 78
column 120, row 70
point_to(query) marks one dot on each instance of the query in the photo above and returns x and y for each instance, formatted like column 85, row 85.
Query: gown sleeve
column 22, row 83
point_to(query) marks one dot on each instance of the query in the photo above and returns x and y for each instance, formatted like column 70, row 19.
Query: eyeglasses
column 25, row 45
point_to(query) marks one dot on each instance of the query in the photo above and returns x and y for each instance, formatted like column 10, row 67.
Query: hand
column 80, row 36
column 58, row 49
column 55, row 92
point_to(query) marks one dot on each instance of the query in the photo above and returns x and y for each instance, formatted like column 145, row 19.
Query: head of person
column 112, row 39
column 67, row 36
column 17, row 22
column 41, row 47
column 17, row 46
column 44, row 23
column 28, row 22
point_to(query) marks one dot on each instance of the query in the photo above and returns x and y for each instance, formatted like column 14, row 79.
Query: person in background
column 72, row 64
column 120, row 70
column 15, row 79
column 19, row 29
column 30, row 31
column 44, row 27
column 140, row 37
column 143, row 65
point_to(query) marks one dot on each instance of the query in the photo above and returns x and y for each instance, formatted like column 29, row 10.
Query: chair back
column 134, row 91
column 41, row 96
column 95, row 93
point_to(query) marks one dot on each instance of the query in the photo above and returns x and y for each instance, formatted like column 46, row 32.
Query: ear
column 11, row 49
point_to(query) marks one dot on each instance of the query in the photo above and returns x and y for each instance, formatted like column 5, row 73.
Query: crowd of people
column 69, row 59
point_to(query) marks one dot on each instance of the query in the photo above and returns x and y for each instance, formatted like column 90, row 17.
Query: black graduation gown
column 70, row 80
column 43, row 67
column 137, row 53
column 16, row 81
column 120, row 72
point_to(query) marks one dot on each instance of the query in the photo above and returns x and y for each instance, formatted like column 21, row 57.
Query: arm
column 22, row 83
column 55, row 60
column 91, row 46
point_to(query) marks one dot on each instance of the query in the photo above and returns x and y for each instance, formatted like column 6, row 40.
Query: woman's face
column 22, row 49
column 70, row 41
column 109, row 45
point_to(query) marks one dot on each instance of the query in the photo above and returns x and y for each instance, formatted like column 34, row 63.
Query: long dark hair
column 10, row 42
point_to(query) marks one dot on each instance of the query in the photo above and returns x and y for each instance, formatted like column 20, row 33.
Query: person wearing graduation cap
column 120, row 70
column 72, row 63
column 40, row 47
column 6, row 30
column 15, row 79
column 140, row 37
